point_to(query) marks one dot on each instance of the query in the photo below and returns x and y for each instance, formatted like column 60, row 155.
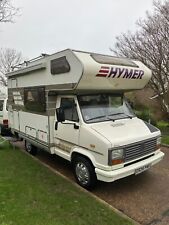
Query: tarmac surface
column 144, row 198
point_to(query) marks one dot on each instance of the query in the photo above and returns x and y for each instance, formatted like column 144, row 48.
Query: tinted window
column 69, row 107
column 104, row 59
column 34, row 99
column 59, row 65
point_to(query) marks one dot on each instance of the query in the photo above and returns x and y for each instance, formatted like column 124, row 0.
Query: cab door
column 67, row 132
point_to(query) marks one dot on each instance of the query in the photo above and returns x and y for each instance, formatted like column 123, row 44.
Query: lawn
column 164, row 127
column 31, row 194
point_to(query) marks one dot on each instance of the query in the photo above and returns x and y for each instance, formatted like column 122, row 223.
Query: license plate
column 142, row 169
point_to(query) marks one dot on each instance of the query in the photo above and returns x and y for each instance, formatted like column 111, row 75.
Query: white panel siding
column 16, row 120
column 34, row 125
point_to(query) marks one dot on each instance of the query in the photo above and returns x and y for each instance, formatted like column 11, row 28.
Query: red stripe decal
column 101, row 75
column 103, row 71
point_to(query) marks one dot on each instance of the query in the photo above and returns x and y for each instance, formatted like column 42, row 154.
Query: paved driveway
column 144, row 197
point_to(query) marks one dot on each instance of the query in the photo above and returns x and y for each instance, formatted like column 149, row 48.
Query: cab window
column 69, row 107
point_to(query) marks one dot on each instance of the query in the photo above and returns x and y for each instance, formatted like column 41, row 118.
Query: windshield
column 103, row 107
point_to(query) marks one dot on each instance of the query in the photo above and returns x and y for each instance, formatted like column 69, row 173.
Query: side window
column 34, row 99
column 69, row 107
column 59, row 65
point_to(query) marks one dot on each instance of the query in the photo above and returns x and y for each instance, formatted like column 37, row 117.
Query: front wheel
column 30, row 148
column 84, row 172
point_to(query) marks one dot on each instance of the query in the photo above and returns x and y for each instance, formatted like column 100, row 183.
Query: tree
column 150, row 44
column 7, row 11
column 8, row 59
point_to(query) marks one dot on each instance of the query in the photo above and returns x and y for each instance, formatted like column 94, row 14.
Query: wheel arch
column 84, row 153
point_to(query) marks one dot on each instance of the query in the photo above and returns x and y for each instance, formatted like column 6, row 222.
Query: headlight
column 158, row 143
column 117, row 156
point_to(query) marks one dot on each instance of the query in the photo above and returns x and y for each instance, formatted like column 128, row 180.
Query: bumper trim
column 110, row 176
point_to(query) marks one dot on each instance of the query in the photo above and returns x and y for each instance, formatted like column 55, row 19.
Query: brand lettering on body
column 117, row 72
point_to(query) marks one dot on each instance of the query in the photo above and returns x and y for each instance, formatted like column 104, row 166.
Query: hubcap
column 82, row 173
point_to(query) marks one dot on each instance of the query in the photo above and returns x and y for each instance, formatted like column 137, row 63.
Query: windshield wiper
column 108, row 117
column 115, row 114
column 98, row 117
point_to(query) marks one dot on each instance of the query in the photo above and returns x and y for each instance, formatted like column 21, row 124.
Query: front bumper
column 109, row 176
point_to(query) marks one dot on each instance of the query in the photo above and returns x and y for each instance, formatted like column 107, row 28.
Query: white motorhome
column 72, row 104
column 3, row 111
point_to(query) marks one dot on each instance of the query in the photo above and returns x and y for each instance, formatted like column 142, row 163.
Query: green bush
column 143, row 112
column 146, row 116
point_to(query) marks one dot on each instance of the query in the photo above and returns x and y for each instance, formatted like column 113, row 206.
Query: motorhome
column 3, row 110
column 72, row 104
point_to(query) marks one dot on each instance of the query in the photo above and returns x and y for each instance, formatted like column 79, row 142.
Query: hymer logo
column 117, row 72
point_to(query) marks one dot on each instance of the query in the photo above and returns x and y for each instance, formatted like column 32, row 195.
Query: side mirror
column 60, row 114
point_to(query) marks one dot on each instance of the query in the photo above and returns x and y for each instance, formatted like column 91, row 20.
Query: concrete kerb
column 165, row 145
column 82, row 189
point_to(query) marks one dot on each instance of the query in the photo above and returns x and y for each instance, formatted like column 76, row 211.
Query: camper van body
column 72, row 104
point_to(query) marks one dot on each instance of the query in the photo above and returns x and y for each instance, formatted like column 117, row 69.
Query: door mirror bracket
column 76, row 127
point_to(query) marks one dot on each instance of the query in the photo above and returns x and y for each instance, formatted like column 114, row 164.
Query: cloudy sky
column 53, row 25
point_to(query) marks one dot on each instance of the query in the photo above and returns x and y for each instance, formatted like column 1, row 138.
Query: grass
column 164, row 127
column 31, row 194
column 163, row 124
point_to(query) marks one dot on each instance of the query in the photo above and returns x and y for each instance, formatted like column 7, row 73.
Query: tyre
column 84, row 172
column 30, row 148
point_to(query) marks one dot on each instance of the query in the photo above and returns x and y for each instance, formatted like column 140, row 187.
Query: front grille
column 140, row 149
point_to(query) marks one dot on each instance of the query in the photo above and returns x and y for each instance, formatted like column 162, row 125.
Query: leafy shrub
column 146, row 116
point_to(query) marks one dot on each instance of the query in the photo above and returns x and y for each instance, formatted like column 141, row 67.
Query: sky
column 53, row 25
